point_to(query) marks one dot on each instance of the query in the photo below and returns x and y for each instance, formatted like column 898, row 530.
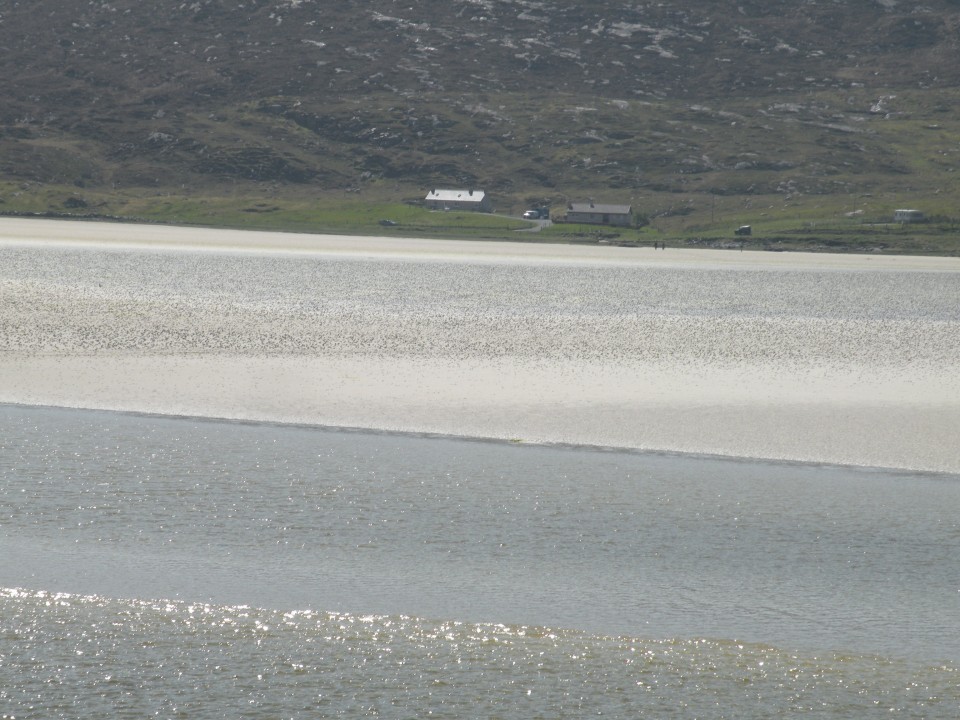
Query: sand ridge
column 838, row 359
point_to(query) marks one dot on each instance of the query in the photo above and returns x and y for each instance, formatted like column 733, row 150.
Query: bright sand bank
column 851, row 400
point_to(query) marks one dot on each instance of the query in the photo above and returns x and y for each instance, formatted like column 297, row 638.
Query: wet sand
column 838, row 384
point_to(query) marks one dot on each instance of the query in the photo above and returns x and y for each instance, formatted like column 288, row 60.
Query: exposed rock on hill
column 511, row 93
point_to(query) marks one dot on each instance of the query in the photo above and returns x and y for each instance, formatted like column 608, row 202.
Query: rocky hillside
column 520, row 96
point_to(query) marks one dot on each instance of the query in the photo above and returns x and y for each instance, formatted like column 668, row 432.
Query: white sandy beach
column 48, row 233
column 822, row 358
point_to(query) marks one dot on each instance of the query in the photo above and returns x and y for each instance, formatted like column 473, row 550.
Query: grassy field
column 819, row 224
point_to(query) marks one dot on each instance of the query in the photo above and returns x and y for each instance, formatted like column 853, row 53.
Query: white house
column 907, row 216
column 458, row 200
column 597, row 214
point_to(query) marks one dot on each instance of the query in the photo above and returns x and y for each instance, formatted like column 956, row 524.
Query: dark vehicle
column 743, row 230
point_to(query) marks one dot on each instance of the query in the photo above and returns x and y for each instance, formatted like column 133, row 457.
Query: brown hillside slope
column 550, row 97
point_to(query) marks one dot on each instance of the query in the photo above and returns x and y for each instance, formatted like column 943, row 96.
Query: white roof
column 456, row 195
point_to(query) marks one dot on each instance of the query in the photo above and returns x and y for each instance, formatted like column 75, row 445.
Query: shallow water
column 80, row 656
column 221, row 567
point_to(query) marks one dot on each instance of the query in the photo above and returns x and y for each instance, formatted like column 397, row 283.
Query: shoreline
column 881, row 422
column 102, row 235
column 505, row 442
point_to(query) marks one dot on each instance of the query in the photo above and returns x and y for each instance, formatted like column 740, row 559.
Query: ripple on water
column 68, row 655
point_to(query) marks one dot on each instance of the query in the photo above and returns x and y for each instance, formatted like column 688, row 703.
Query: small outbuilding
column 597, row 214
column 458, row 200
column 907, row 216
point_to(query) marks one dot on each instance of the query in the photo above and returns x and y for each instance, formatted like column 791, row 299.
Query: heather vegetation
column 811, row 122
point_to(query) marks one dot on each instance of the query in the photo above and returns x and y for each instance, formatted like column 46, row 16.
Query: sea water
column 179, row 567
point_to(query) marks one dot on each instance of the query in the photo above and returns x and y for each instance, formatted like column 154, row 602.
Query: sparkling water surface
column 196, row 568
